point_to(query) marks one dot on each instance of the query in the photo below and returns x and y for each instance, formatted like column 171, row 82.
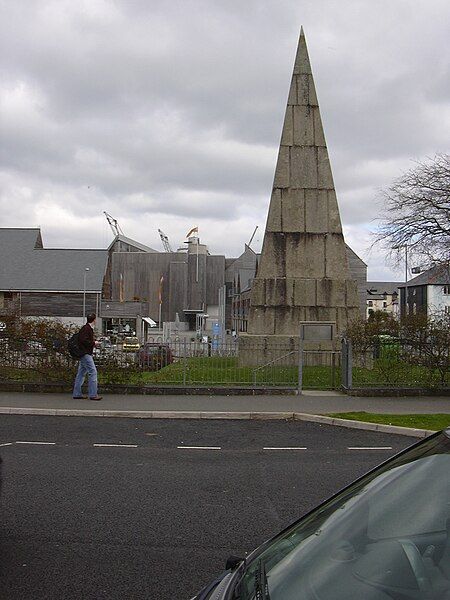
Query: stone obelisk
column 303, row 274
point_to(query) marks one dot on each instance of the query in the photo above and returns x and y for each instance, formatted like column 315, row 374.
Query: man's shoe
column 80, row 397
column 95, row 397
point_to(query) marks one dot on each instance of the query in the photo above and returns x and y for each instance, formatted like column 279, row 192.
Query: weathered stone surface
column 303, row 125
column 319, row 136
column 273, row 256
column 288, row 319
column 336, row 257
column 274, row 216
column 320, row 313
column 352, row 298
column 316, row 211
column 305, row 292
column 306, row 91
column 293, row 209
column 324, row 175
column 276, row 292
column 290, row 291
column 303, row 167
column 258, row 292
column 302, row 64
column 292, row 98
column 281, row 179
column 334, row 219
column 261, row 320
column 331, row 292
column 287, row 135
column 305, row 256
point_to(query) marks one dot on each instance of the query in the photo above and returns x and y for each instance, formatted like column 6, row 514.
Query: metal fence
column 177, row 362
column 395, row 364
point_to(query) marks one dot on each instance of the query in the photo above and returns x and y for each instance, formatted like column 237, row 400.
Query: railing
column 395, row 364
column 269, row 364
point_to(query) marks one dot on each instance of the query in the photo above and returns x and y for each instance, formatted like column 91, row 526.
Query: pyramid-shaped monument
column 303, row 274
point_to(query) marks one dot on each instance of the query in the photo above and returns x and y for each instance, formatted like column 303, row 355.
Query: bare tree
column 417, row 212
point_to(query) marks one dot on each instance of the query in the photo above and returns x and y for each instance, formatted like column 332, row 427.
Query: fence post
column 300, row 365
column 333, row 368
column 349, row 365
column 344, row 361
column 184, row 362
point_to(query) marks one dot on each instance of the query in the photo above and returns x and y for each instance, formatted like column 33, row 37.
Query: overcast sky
column 168, row 114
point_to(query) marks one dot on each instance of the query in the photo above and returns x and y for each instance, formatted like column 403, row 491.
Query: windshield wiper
column 261, row 583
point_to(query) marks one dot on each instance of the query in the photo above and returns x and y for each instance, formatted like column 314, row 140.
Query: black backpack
column 73, row 346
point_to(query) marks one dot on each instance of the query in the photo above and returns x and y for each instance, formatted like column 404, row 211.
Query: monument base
column 282, row 350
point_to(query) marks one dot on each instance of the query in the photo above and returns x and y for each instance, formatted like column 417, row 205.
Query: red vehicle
column 154, row 356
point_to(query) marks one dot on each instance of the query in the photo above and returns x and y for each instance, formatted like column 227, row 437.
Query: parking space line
column 115, row 445
column 285, row 448
column 6, row 444
column 199, row 447
column 369, row 448
column 39, row 443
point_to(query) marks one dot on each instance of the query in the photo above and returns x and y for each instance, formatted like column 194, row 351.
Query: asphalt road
column 156, row 515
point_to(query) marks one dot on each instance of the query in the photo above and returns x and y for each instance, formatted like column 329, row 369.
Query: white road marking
column 286, row 448
column 115, row 445
column 199, row 447
column 39, row 443
column 370, row 448
column 7, row 444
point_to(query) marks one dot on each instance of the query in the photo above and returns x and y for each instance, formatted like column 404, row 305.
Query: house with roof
column 382, row 296
column 35, row 281
column 429, row 292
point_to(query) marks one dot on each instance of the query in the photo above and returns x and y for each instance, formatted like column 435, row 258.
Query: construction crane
column 253, row 235
column 114, row 224
column 165, row 241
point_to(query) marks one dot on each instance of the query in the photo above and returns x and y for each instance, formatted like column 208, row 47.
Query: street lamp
column 84, row 291
column 405, row 246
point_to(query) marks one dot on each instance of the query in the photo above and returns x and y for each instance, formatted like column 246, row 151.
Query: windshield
column 386, row 537
column 131, row 340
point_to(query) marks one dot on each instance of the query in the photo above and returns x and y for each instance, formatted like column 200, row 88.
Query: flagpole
column 160, row 300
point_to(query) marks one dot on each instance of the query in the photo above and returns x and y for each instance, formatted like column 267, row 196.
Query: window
column 384, row 304
column 370, row 303
column 446, row 290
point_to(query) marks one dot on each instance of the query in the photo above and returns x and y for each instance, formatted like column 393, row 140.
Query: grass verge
column 434, row 422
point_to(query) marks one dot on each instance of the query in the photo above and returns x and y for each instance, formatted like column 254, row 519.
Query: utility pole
column 405, row 246
column 84, row 291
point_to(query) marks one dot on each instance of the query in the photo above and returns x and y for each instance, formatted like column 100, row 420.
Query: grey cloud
column 175, row 109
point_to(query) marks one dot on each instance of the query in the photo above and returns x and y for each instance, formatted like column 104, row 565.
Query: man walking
column 86, row 365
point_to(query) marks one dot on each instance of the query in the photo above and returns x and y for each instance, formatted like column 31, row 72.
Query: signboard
column 317, row 332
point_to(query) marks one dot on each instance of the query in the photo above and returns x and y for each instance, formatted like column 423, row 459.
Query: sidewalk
column 309, row 403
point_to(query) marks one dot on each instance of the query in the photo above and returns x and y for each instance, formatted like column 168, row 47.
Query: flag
column 160, row 289
column 193, row 230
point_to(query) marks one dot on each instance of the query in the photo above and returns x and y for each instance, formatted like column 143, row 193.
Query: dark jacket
column 86, row 339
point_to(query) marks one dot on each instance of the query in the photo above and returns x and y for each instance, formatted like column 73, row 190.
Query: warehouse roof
column 26, row 266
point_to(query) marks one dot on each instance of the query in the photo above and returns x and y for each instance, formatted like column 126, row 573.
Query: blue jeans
column 86, row 367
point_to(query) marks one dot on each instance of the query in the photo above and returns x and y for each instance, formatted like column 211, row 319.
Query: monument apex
column 303, row 274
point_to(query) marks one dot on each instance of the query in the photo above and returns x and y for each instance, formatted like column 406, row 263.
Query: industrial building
column 132, row 287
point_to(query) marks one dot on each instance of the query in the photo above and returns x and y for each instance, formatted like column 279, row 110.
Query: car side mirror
column 232, row 562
